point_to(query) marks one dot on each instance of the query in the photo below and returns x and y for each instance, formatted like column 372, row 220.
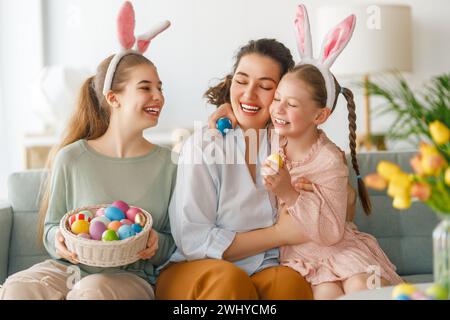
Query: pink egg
column 131, row 213
column 100, row 212
column 96, row 229
column 122, row 205
column 126, row 222
column 84, row 235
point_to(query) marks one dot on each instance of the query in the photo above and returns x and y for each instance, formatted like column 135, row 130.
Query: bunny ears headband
column 125, row 28
column 332, row 46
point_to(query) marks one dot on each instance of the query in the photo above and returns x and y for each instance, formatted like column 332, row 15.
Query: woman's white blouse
column 215, row 197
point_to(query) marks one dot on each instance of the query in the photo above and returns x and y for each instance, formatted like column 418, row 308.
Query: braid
column 362, row 190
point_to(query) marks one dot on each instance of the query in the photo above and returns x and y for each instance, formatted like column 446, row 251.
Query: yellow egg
column 80, row 226
column 403, row 289
column 276, row 158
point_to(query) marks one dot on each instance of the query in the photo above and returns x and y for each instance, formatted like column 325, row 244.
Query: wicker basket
column 105, row 253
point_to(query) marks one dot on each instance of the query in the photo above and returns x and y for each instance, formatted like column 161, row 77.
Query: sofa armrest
column 6, row 219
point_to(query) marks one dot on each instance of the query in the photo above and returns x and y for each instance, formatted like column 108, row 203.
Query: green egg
column 437, row 292
column 109, row 235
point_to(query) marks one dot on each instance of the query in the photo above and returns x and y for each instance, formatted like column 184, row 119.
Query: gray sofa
column 404, row 236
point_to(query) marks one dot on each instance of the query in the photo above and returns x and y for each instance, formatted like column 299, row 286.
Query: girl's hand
column 152, row 246
column 287, row 230
column 62, row 251
column 223, row 111
column 303, row 184
column 278, row 181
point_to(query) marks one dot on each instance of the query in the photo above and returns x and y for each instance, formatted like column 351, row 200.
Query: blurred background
column 48, row 47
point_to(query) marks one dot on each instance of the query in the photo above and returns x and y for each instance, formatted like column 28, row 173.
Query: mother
column 226, row 237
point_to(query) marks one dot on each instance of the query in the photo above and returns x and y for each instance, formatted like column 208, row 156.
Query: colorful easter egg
column 131, row 213
column 140, row 219
column 80, row 226
column 126, row 221
column 114, row 225
column 84, row 235
column 103, row 219
column 122, row 205
column 137, row 228
column 87, row 213
column 126, row 231
column 80, row 216
column 404, row 289
column 96, row 229
column 437, row 292
column 109, row 235
column 100, row 212
column 114, row 214
column 224, row 125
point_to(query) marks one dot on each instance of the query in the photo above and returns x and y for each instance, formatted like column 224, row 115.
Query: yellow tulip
column 421, row 190
column 387, row 169
column 427, row 149
column 399, row 185
column 401, row 202
column 439, row 132
column 447, row 176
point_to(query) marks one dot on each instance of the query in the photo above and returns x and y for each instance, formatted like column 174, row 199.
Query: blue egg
column 402, row 297
column 114, row 214
column 137, row 228
column 224, row 125
column 126, row 231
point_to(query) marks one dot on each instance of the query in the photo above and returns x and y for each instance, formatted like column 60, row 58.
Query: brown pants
column 212, row 279
column 51, row 280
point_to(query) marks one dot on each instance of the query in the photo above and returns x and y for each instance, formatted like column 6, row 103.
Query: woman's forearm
column 246, row 244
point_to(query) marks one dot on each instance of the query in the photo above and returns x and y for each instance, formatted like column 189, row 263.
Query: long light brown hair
column 90, row 119
column 314, row 79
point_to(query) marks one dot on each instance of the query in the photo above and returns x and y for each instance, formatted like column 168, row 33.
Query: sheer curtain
column 21, row 58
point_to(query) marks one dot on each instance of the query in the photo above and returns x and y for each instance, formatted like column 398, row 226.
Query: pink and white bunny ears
column 332, row 46
column 125, row 29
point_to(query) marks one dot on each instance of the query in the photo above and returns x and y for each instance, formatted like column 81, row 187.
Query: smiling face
column 293, row 110
column 141, row 100
column 252, row 89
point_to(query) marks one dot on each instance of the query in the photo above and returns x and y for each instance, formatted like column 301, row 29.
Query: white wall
column 197, row 49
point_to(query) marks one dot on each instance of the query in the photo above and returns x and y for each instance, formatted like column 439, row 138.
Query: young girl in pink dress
column 326, row 249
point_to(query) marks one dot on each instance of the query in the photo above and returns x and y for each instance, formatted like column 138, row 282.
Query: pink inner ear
column 125, row 26
column 300, row 23
column 338, row 37
column 143, row 45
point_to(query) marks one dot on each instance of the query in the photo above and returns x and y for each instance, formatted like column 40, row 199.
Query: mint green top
column 82, row 177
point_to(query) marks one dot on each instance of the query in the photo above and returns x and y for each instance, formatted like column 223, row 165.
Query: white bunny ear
column 143, row 40
column 304, row 42
column 336, row 40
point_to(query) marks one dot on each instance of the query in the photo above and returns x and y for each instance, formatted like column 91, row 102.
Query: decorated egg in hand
column 122, row 205
column 80, row 226
column 132, row 212
column 96, row 229
column 109, row 235
column 114, row 214
column 126, row 231
column 114, row 225
column 224, row 125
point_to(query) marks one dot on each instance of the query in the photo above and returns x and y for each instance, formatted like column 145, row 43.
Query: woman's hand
column 223, row 111
column 152, row 246
column 62, row 251
column 287, row 230
column 303, row 184
column 278, row 181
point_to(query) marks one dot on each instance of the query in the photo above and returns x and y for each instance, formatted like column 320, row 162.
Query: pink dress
column 337, row 250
